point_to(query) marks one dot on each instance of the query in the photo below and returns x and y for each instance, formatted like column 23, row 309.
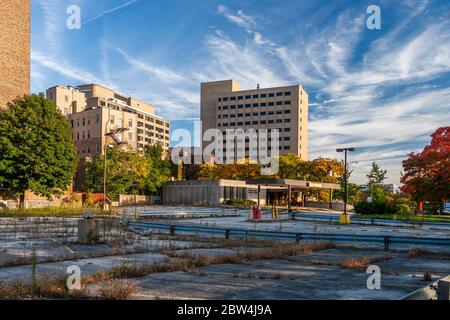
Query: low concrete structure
column 88, row 231
column 261, row 191
column 208, row 192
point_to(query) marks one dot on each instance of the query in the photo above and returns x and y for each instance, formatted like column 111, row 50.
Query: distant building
column 14, row 50
column 94, row 111
column 392, row 188
column 224, row 106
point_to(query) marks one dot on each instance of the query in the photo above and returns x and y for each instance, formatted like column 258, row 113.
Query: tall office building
column 224, row 106
column 14, row 49
column 94, row 111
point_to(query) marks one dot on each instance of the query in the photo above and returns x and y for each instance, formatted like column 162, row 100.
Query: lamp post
column 345, row 150
column 105, row 151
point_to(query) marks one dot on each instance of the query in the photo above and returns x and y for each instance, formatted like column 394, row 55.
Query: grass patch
column 48, row 212
column 363, row 262
column 410, row 218
column 117, row 289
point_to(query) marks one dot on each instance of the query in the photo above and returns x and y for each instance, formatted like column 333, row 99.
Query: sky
column 382, row 91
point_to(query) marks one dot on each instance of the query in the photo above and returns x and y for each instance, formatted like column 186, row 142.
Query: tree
column 129, row 172
column 235, row 171
column 293, row 167
column 427, row 174
column 36, row 148
column 160, row 168
column 376, row 178
column 126, row 172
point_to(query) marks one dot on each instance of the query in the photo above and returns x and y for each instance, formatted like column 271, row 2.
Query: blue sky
column 383, row 91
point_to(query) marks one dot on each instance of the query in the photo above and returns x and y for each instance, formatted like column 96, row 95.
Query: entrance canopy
column 291, row 184
column 300, row 184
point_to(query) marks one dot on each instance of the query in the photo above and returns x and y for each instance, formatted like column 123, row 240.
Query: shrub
column 364, row 207
column 239, row 203
column 118, row 289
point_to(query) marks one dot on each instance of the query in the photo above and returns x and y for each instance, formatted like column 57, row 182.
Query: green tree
column 376, row 178
column 129, row 172
column 159, row 168
column 36, row 148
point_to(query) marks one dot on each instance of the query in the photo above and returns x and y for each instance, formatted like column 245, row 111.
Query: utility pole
column 345, row 219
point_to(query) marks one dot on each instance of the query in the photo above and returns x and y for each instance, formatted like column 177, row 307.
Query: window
column 264, row 95
column 287, row 120
column 241, row 106
column 263, row 104
column 66, row 111
column 279, row 94
column 248, row 105
column 271, row 113
column 248, row 114
column 232, row 116
column 130, row 123
column 255, row 114
column 112, row 119
column 225, row 107
column 288, row 93
column 241, row 98
column 263, row 121
column 233, row 98
column 232, row 107
column 225, row 116
column 89, row 134
column 271, row 95
column 220, row 99
column 287, row 129
column 219, row 116
column 287, row 111
column 256, row 105
column 279, row 121
column 220, row 108
column 287, row 139
column 98, row 118
column 255, row 122
column 130, row 136
column 255, row 96
column 271, row 121
column 263, row 113
column 248, row 97
column 225, row 99
column 279, row 103
column 240, row 123
column 66, row 98
column 240, row 115
column 279, row 112
column 286, row 103
column 271, row 104
column 247, row 123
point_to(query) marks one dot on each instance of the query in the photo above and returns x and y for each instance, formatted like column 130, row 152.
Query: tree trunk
column 22, row 201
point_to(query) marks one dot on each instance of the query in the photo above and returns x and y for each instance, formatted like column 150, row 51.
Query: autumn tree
column 426, row 174
column 236, row 171
column 36, row 148
column 376, row 177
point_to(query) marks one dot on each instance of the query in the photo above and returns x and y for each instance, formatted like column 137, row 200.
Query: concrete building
column 224, row 106
column 14, row 50
column 94, row 111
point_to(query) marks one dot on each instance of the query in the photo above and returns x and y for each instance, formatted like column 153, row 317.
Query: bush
column 239, row 203
column 364, row 207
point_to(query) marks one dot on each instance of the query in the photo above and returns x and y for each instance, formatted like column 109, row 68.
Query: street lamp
column 345, row 150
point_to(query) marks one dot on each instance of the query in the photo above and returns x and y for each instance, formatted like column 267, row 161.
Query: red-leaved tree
column 427, row 173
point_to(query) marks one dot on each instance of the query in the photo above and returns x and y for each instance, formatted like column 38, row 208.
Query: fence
column 227, row 233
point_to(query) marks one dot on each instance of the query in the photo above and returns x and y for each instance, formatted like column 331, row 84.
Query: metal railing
column 227, row 233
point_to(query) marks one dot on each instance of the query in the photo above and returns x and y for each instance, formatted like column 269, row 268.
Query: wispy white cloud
column 106, row 12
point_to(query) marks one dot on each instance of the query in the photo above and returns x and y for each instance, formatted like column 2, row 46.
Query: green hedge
column 364, row 207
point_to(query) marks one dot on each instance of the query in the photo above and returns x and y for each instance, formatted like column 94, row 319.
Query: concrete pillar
column 331, row 198
column 289, row 198
column 88, row 231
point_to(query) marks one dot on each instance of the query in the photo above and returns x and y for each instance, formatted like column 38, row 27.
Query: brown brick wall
column 14, row 49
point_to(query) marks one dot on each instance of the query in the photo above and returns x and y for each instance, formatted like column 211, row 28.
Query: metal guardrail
column 437, row 290
column 279, row 235
column 371, row 221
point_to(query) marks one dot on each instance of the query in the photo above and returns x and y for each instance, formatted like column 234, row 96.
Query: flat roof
column 293, row 183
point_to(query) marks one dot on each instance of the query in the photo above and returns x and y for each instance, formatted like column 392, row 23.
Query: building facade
column 224, row 106
column 94, row 111
column 14, row 50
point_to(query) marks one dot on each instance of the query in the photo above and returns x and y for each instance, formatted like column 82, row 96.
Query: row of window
column 88, row 150
column 257, row 149
column 254, row 114
column 256, row 96
column 247, row 140
column 256, row 122
column 84, row 121
column 256, row 105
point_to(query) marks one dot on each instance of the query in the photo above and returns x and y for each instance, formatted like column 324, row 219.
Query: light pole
column 105, row 150
column 345, row 150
